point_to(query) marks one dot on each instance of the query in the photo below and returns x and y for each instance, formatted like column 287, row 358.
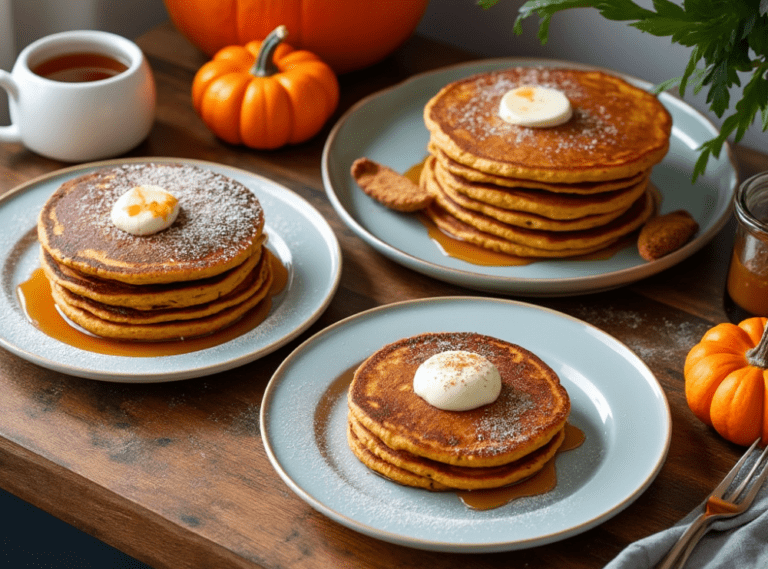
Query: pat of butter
column 145, row 210
column 457, row 380
column 532, row 105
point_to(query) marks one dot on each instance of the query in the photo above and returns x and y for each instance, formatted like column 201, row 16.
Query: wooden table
column 176, row 474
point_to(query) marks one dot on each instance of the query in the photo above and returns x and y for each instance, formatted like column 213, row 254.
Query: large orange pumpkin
column 726, row 380
column 346, row 34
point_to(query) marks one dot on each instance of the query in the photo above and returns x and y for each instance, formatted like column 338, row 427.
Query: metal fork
column 719, row 506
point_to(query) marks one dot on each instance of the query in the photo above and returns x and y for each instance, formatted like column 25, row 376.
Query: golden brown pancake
column 126, row 315
column 448, row 224
column 617, row 130
column 531, row 242
column 401, row 466
column 148, row 297
column 531, row 409
column 388, row 469
column 219, row 225
column 551, row 205
column 159, row 331
column 526, row 219
column 472, row 175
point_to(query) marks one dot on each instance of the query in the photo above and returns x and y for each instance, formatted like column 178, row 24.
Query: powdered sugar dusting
column 591, row 126
column 523, row 409
column 217, row 214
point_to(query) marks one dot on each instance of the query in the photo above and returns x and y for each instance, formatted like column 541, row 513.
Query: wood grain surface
column 176, row 474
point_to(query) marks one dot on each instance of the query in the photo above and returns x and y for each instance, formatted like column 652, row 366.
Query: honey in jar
column 747, row 284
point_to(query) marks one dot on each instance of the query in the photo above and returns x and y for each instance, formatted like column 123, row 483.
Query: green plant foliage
column 728, row 40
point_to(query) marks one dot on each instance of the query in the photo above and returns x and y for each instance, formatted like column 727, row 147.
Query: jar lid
column 751, row 203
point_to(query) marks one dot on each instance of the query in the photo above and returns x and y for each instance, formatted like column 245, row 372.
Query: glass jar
column 747, row 284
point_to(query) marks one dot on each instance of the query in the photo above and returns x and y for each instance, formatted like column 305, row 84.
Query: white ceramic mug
column 85, row 120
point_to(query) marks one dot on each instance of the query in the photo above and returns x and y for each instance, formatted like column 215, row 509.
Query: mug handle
column 11, row 132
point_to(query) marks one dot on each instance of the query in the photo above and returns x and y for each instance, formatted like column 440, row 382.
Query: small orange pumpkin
column 265, row 94
column 726, row 380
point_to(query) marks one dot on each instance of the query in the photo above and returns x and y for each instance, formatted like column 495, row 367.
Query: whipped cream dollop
column 144, row 210
column 533, row 105
column 457, row 380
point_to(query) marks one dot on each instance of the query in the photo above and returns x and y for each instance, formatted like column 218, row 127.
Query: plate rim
column 652, row 382
column 277, row 192
column 531, row 287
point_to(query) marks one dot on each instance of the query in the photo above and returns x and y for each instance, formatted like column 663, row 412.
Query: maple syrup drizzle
column 545, row 480
column 540, row 483
column 38, row 305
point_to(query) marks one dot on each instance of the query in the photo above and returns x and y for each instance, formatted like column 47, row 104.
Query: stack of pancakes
column 399, row 435
column 543, row 192
column 197, row 276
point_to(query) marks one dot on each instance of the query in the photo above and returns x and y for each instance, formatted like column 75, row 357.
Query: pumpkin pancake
column 126, row 315
column 447, row 223
column 401, row 466
column 218, row 227
column 388, row 469
column 160, row 331
column 536, row 209
column 551, row 205
column 531, row 409
column 529, row 220
column 566, row 242
column 472, row 175
column 148, row 297
column 616, row 131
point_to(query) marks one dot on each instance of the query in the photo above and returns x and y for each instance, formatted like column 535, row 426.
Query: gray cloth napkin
column 732, row 543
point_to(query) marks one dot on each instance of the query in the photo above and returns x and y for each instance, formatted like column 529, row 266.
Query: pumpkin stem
column 264, row 66
column 758, row 356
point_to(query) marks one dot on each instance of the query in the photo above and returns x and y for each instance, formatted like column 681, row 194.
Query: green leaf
column 669, row 9
column 719, row 96
column 545, row 9
column 690, row 70
column 666, row 85
column 726, row 37
column 621, row 10
column 660, row 26
column 701, row 163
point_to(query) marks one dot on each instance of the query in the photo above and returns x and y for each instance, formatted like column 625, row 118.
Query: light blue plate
column 388, row 127
column 615, row 400
column 298, row 235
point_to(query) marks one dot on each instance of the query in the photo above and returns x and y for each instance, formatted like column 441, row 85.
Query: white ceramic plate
column 388, row 127
column 298, row 235
column 615, row 400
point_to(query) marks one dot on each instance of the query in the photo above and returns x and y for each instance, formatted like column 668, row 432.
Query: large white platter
column 388, row 127
column 298, row 235
column 615, row 399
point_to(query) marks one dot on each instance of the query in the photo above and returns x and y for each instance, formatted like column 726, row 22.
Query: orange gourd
column 265, row 94
column 726, row 380
column 346, row 34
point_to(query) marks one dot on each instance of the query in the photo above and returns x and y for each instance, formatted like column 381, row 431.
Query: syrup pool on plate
column 36, row 300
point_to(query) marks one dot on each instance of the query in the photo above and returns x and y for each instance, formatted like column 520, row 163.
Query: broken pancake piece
column 389, row 188
column 666, row 233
